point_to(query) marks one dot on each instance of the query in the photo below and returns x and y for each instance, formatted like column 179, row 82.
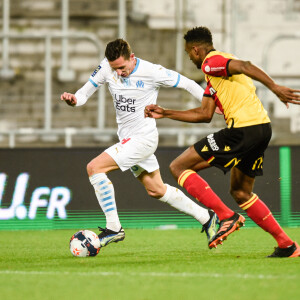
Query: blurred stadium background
column 52, row 46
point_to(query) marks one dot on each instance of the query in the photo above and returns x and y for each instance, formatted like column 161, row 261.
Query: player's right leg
column 105, row 194
column 184, row 169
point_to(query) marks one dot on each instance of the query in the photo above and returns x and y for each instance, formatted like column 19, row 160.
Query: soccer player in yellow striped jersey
column 234, row 95
column 239, row 148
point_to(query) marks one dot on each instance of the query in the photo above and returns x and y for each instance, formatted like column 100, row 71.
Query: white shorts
column 136, row 153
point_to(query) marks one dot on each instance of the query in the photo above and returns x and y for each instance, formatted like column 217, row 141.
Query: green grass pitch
column 148, row 264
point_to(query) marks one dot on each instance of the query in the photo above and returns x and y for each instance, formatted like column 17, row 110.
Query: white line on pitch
column 151, row 274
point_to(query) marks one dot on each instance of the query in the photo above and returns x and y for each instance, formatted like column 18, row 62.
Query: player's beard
column 198, row 64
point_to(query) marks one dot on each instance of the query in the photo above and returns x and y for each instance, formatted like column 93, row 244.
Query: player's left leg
column 122, row 155
column 241, row 190
column 166, row 193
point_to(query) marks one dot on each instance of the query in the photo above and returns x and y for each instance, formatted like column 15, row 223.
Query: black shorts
column 242, row 148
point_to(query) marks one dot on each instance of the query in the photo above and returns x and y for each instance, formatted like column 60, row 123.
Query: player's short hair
column 199, row 35
column 116, row 49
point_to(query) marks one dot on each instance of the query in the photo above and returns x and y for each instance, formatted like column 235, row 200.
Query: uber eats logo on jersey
column 125, row 104
column 96, row 71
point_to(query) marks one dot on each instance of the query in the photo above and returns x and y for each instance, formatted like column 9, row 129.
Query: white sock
column 177, row 199
column 105, row 194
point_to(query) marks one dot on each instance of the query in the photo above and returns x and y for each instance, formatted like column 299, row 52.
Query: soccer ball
column 84, row 243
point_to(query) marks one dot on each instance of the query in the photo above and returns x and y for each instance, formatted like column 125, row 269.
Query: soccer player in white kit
column 134, row 83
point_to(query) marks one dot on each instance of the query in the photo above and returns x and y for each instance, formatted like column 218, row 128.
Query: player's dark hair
column 116, row 49
column 199, row 35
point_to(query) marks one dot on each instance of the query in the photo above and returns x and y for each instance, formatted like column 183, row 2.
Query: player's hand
column 287, row 95
column 154, row 111
column 69, row 98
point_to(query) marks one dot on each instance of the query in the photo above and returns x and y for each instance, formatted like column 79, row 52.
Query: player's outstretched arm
column 202, row 114
column 194, row 89
column 285, row 94
column 69, row 98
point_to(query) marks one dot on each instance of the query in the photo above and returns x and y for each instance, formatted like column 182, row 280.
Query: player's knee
column 240, row 196
column 91, row 168
column 174, row 169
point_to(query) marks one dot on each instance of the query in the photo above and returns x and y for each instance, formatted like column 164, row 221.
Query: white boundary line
column 151, row 274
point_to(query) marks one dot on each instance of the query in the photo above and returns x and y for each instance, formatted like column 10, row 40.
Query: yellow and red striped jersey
column 233, row 94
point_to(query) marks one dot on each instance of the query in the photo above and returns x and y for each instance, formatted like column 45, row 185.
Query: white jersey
column 133, row 93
